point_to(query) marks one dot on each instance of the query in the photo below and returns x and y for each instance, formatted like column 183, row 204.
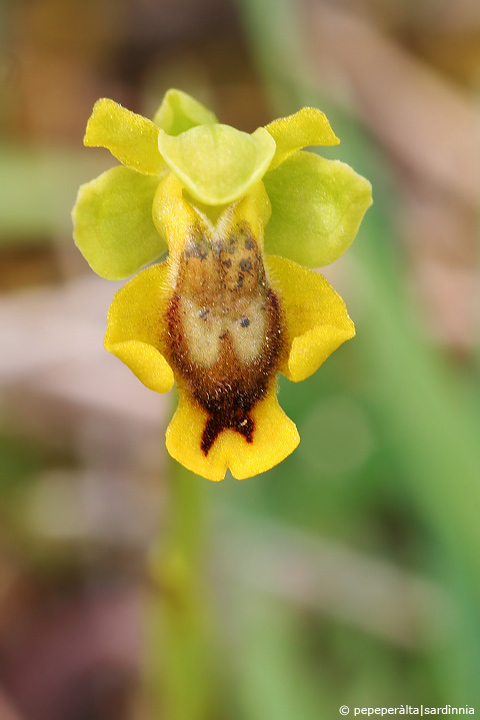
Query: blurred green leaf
column 273, row 681
column 39, row 187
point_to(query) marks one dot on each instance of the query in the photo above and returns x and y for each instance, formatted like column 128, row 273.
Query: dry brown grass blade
column 426, row 123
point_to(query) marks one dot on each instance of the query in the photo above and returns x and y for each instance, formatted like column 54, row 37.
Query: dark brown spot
column 243, row 425
column 244, row 322
column 245, row 265
column 232, row 244
column 199, row 248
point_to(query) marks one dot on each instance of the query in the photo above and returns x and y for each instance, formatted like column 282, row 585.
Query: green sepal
column 317, row 208
column 113, row 225
column 180, row 112
column 217, row 164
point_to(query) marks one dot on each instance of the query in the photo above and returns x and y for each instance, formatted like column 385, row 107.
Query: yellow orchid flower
column 230, row 307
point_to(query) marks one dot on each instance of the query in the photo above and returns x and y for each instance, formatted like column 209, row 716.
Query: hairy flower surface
column 243, row 217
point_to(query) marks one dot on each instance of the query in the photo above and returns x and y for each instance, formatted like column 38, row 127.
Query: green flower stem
column 179, row 670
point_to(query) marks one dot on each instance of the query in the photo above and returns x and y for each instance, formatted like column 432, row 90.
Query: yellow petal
column 131, row 138
column 316, row 318
column 304, row 128
column 136, row 326
column 274, row 438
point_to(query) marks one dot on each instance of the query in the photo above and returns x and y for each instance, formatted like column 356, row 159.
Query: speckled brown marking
column 225, row 335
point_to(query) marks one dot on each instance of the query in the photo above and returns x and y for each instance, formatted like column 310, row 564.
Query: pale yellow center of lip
column 222, row 295
column 206, row 326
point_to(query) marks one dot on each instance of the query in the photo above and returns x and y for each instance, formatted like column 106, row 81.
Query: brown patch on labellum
column 225, row 330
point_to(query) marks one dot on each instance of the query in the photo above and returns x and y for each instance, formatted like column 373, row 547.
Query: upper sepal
column 180, row 112
column 217, row 164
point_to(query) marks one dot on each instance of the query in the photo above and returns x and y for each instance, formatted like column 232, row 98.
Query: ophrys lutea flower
column 233, row 304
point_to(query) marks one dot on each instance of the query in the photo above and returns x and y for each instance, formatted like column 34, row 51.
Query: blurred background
column 350, row 574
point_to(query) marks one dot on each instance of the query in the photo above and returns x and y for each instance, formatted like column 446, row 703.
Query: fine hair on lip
column 226, row 334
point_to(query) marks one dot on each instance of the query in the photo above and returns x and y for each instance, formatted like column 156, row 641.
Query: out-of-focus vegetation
column 348, row 575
